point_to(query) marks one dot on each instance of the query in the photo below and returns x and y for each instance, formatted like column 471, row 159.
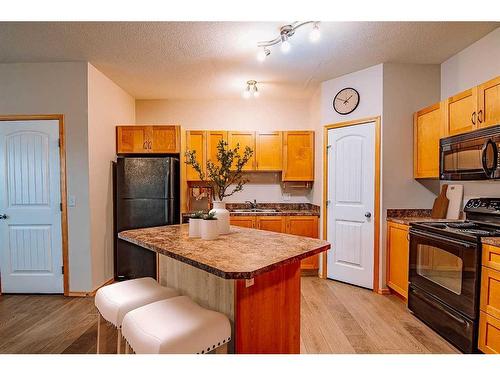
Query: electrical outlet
column 287, row 196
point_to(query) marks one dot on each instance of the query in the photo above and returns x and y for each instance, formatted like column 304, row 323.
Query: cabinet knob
column 480, row 116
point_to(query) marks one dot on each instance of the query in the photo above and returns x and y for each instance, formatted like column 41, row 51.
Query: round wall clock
column 346, row 101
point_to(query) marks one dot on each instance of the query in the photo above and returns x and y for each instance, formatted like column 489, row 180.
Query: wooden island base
column 264, row 311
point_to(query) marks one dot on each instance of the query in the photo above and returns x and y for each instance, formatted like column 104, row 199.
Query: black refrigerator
column 146, row 194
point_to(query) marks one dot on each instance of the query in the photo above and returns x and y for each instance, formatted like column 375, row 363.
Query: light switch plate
column 71, row 201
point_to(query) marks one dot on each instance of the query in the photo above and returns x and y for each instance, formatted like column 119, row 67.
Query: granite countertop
column 406, row 216
column 242, row 254
column 493, row 241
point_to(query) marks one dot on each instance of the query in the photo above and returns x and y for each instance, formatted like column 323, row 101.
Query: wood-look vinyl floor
column 336, row 318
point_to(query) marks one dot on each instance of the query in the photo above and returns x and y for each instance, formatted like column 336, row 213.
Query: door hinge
column 62, row 270
column 328, row 203
column 60, row 206
column 328, row 147
column 59, row 142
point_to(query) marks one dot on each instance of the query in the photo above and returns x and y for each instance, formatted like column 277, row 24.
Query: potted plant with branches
column 225, row 177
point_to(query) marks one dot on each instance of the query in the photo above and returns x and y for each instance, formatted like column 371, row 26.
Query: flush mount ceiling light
column 286, row 32
column 251, row 89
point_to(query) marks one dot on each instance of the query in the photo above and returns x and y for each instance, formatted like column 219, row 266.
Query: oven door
column 472, row 159
column 447, row 269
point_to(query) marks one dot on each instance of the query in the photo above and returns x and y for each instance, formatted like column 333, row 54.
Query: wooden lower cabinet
column 489, row 318
column 306, row 226
column 489, row 334
column 397, row 258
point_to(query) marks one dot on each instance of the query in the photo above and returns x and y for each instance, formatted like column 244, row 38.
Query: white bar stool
column 176, row 326
column 115, row 300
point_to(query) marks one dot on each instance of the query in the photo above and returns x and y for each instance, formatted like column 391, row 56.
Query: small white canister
column 195, row 227
column 209, row 229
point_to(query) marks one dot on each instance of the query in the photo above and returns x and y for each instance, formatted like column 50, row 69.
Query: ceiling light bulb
column 315, row 34
column 285, row 44
column 263, row 53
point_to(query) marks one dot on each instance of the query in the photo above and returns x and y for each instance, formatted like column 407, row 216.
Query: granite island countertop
column 242, row 254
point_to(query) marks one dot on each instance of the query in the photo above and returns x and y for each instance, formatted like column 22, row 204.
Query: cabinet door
column 271, row 223
column 268, row 151
column 213, row 139
column 306, row 226
column 490, row 292
column 489, row 334
column 243, row 221
column 427, row 130
column 488, row 95
column 132, row 139
column 164, row 139
column 491, row 257
column 460, row 112
column 243, row 139
column 196, row 141
column 397, row 258
column 298, row 156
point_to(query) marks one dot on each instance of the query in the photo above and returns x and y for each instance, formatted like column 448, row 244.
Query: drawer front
column 489, row 334
column 490, row 292
column 491, row 257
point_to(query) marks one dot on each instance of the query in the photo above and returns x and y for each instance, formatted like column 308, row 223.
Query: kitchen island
column 252, row 276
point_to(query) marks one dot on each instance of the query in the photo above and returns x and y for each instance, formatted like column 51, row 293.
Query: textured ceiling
column 153, row 60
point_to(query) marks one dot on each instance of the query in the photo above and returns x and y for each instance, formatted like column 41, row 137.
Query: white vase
column 194, row 227
column 209, row 229
column 222, row 216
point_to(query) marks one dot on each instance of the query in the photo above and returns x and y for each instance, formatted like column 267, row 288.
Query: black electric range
column 445, row 270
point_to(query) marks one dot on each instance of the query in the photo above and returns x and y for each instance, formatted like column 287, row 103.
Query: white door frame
column 64, row 203
column 376, row 216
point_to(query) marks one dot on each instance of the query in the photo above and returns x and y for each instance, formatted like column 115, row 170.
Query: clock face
column 346, row 101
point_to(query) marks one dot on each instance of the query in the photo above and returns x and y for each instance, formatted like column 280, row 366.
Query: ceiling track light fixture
column 251, row 89
column 286, row 32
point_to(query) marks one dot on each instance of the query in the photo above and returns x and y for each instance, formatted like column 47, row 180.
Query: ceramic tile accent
column 242, row 254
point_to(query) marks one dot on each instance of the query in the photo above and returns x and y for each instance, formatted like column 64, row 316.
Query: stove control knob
column 476, row 203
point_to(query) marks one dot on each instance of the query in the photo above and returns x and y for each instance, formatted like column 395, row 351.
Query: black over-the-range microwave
column 471, row 156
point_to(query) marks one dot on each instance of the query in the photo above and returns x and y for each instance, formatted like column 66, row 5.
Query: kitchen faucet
column 253, row 205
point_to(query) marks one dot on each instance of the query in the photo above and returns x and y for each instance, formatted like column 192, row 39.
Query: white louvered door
column 351, row 191
column 30, row 197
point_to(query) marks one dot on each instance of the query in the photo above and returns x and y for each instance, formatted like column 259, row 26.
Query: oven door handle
column 441, row 238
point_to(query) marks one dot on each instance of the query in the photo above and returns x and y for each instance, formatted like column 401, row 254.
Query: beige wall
column 475, row 64
column 406, row 89
column 59, row 88
column 236, row 114
column 108, row 105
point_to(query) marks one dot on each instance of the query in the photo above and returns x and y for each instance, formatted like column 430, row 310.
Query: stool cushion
column 177, row 325
column 115, row 300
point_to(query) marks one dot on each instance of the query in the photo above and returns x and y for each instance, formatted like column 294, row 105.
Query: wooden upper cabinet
column 165, row 139
column 268, row 151
column 196, row 141
column 427, row 130
column 213, row 139
column 298, row 156
column 243, row 139
column 460, row 112
column 398, row 249
column 488, row 106
column 131, row 139
column 138, row 139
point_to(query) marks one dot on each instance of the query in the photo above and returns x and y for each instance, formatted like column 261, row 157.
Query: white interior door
column 351, row 192
column 30, row 196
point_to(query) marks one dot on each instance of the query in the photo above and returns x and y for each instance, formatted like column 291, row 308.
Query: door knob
column 3, row 217
column 368, row 215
